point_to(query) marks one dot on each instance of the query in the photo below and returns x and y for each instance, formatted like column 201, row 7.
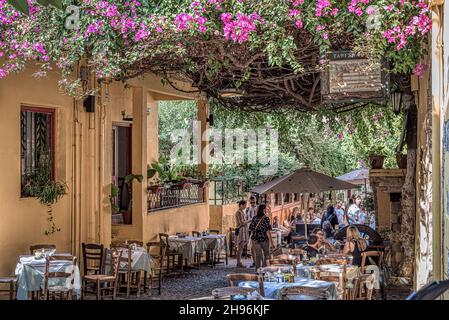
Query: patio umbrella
column 303, row 181
column 358, row 177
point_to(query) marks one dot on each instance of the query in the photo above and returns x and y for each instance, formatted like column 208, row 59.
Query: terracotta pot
column 401, row 160
column 203, row 184
column 127, row 218
column 376, row 161
column 156, row 189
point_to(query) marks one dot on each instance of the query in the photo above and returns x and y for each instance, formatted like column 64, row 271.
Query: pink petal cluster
column 356, row 6
column 399, row 34
column 239, row 28
column 420, row 69
column 321, row 6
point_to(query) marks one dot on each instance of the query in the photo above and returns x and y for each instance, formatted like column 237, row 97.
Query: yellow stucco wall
column 23, row 220
column 222, row 217
column 84, row 160
column 183, row 219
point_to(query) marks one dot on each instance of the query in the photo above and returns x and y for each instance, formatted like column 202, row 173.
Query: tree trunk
column 408, row 201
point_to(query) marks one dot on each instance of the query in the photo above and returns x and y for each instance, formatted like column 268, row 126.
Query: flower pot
column 127, row 219
column 203, row 184
column 376, row 161
column 156, row 189
column 401, row 160
column 184, row 185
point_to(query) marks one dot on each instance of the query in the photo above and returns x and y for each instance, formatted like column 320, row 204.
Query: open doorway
column 121, row 167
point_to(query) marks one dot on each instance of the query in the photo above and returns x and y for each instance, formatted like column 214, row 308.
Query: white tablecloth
column 188, row 246
column 30, row 273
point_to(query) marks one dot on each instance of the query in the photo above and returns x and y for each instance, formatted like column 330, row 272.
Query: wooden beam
column 387, row 172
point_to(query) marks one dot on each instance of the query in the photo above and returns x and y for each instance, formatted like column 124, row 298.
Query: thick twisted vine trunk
column 408, row 204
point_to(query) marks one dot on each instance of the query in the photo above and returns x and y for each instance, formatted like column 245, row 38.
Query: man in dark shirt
column 313, row 245
column 329, row 221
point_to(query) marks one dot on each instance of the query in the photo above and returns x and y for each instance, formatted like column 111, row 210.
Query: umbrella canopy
column 303, row 181
column 358, row 177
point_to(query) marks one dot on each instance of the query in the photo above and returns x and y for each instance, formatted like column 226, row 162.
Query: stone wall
column 387, row 186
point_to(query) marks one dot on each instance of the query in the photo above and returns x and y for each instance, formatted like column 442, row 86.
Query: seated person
column 313, row 246
column 297, row 220
column 354, row 245
column 310, row 215
column 284, row 230
column 327, row 245
column 315, row 218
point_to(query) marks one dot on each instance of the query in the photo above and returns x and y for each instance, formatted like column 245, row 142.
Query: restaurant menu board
column 350, row 78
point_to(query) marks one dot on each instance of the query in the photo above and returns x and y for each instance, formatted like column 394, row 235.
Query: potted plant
column 377, row 156
column 166, row 171
column 127, row 218
column 401, row 160
column 40, row 184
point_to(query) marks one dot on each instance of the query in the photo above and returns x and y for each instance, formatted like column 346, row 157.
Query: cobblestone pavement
column 200, row 283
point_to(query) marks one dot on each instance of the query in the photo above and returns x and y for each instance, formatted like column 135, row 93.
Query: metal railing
column 174, row 196
column 225, row 190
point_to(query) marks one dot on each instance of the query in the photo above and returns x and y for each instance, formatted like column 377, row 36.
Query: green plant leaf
column 20, row 5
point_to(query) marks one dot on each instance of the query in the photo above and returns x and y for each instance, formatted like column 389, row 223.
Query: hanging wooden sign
column 351, row 78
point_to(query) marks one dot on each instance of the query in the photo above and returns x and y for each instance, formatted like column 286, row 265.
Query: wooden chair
column 377, row 255
column 39, row 247
column 291, row 262
column 212, row 231
column 198, row 256
column 129, row 279
column 12, row 286
column 170, row 257
column 156, row 270
column 235, row 278
column 64, row 291
column 339, row 278
column 92, row 258
column 196, row 234
column 317, row 293
column 275, row 268
column 232, row 243
column 365, row 286
column 104, row 284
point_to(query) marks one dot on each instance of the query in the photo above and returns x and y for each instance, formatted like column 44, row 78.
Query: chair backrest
column 68, row 275
column 196, row 234
column 339, row 277
column 281, row 261
column 92, row 257
column 365, row 285
column 235, row 278
column 318, row 293
column 275, row 268
column 125, row 257
column 39, row 247
column 163, row 237
column 378, row 255
column 111, row 258
column 297, row 252
column 165, row 246
column 212, row 231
